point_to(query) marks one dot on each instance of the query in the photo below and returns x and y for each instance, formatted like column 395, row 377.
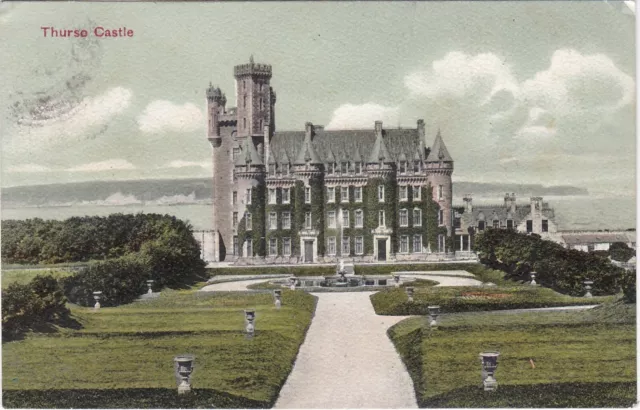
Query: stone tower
column 256, row 100
column 439, row 170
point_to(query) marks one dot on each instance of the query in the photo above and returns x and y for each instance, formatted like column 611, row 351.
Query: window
column 261, row 126
column 273, row 220
column 417, row 193
column 244, row 123
column 357, row 193
column 331, row 194
column 331, row 169
column 261, row 103
column 359, row 247
column 331, row 245
column 235, row 219
column 344, row 194
column 358, row 167
column 481, row 225
column 307, row 220
column 286, row 246
column 359, row 218
column 287, row 168
column 345, row 219
column 417, row 244
column 249, row 246
column 286, row 195
column 272, row 196
column 248, row 221
column 441, row 217
column 417, row 217
column 529, row 225
column 403, row 167
column 496, row 223
column 286, row 220
column 331, row 219
column 441, row 243
column 404, row 217
column 236, row 152
column 244, row 101
column 248, row 196
column 545, row 225
column 509, row 223
column 440, row 192
column 272, row 170
column 416, row 166
column 404, row 244
column 244, row 84
column 346, row 246
column 236, row 250
column 381, row 218
column 273, row 247
column 380, row 193
column 307, row 195
column 234, row 199
column 404, row 192
column 344, row 167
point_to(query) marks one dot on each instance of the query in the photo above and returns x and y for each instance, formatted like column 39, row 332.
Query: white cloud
column 161, row 115
column 363, row 116
column 108, row 165
column 185, row 164
column 28, row 168
column 61, row 123
column 460, row 75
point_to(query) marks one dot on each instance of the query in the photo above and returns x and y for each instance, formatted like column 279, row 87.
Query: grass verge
column 547, row 359
column 132, row 347
column 394, row 302
column 272, row 270
column 24, row 276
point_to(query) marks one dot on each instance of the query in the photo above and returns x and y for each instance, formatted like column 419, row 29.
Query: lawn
column 473, row 298
column 123, row 356
column 24, row 276
column 580, row 359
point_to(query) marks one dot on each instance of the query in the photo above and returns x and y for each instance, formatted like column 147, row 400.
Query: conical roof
column 379, row 153
column 307, row 153
column 439, row 151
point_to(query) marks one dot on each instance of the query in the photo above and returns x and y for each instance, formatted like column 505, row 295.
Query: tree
column 619, row 251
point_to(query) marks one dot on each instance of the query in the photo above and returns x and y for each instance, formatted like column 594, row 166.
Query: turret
column 216, row 102
column 256, row 98
column 439, row 169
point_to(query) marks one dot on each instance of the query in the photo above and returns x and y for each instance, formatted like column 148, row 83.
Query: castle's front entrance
column 382, row 249
column 308, row 251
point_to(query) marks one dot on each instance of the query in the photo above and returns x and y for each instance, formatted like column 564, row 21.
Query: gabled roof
column 284, row 158
column 307, row 153
column 402, row 157
column 272, row 158
column 439, row 151
column 331, row 158
column 249, row 155
column 357, row 143
column 379, row 153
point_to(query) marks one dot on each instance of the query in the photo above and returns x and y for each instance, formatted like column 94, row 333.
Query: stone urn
column 292, row 282
column 587, row 288
column 396, row 280
column 97, row 296
column 434, row 311
column 489, row 366
column 533, row 279
column 250, row 322
column 184, row 367
column 277, row 295
column 409, row 291
column 150, row 286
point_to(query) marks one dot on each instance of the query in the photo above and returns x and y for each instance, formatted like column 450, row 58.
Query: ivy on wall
column 373, row 206
column 279, row 208
column 316, row 183
column 257, row 232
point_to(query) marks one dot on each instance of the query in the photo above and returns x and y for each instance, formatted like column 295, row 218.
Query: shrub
column 37, row 304
column 120, row 280
column 619, row 251
column 628, row 284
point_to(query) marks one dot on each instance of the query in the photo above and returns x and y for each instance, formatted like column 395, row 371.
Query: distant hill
column 199, row 190
column 498, row 190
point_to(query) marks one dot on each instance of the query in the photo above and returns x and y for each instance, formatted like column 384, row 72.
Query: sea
column 572, row 212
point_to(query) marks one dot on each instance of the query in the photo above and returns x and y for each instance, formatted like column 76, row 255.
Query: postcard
column 318, row 204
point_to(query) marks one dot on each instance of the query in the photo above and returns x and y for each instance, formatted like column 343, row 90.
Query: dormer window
column 416, row 166
column 403, row 167
column 272, row 170
column 287, row 168
column 344, row 167
column 358, row 167
column 331, row 168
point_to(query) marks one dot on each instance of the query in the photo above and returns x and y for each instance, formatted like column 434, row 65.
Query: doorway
column 308, row 251
column 382, row 249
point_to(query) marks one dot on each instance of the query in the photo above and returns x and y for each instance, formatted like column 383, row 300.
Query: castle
column 318, row 195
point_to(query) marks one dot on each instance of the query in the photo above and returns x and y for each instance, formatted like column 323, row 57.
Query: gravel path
column 347, row 360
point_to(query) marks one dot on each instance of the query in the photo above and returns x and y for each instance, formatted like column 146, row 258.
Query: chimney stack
column 468, row 203
column 378, row 129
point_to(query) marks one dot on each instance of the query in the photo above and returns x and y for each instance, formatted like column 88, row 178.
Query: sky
column 530, row 92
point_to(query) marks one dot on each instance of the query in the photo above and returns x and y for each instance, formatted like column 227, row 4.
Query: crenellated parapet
column 252, row 69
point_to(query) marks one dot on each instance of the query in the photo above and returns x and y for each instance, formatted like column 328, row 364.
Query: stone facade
column 316, row 195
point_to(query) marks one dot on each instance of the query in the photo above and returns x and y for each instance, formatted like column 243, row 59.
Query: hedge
column 156, row 398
